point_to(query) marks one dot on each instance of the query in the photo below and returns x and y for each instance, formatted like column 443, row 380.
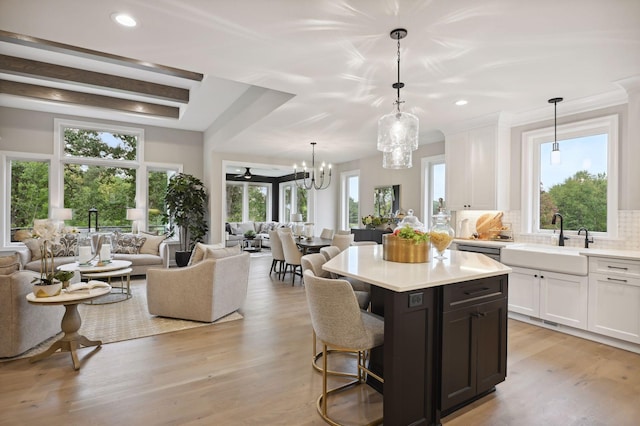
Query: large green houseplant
column 186, row 202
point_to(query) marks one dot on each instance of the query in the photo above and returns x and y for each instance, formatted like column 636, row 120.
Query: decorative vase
column 48, row 290
column 396, row 249
column 441, row 234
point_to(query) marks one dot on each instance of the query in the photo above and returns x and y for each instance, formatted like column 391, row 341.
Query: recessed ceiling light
column 124, row 19
column 462, row 102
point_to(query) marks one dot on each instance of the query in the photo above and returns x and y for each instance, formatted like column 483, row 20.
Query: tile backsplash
column 628, row 233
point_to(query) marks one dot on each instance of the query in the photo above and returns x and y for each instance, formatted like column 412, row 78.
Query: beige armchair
column 205, row 291
column 24, row 325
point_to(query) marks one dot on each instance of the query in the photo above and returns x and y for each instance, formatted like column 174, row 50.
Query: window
column 157, row 181
column 100, row 171
column 293, row 200
column 583, row 188
column 350, row 201
column 29, row 197
column 433, row 169
column 248, row 201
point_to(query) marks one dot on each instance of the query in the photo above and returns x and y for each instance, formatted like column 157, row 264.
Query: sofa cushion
column 9, row 264
column 127, row 243
column 152, row 243
column 244, row 227
column 200, row 250
column 67, row 245
column 34, row 246
column 138, row 259
column 219, row 253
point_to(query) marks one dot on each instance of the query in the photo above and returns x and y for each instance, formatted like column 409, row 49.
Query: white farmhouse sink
column 566, row 260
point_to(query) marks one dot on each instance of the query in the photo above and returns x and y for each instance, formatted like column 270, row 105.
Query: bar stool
column 339, row 322
column 313, row 262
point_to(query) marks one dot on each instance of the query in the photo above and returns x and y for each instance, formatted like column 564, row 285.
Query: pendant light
column 397, row 131
column 316, row 177
column 555, row 152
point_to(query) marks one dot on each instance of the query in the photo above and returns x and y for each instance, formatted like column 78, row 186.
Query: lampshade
column 399, row 158
column 397, row 129
column 61, row 214
column 555, row 157
column 135, row 214
column 296, row 217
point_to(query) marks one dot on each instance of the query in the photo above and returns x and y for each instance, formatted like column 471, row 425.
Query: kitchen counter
column 482, row 243
column 618, row 254
column 366, row 264
column 423, row 305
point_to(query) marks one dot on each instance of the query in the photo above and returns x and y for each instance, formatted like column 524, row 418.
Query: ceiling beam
column 68, row 49
column 30, row 68
column 87, row 99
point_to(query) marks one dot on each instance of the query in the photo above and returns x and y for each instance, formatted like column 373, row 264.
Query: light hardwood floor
column 257, row 371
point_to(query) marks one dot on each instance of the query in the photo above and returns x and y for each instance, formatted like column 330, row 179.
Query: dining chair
column 339, row 323
column 330, row 252
column 327, row 233
column 342, row 241
column 277, row 252
column 292, row 255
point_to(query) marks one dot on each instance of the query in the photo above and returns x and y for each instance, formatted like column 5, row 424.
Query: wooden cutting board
column 489, row 225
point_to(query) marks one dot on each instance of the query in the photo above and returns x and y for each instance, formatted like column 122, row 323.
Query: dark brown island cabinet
column 474, row 341
column 445, row 347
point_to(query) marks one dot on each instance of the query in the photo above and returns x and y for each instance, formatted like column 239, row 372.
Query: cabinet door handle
column 478, row 314
column 472, row 292
column 617, row 279
column 622, row 268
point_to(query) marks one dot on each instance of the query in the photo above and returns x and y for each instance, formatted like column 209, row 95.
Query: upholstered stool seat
column 339, row 323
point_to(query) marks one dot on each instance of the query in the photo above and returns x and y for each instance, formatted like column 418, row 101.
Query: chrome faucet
column 586, row 237
column 553, row 222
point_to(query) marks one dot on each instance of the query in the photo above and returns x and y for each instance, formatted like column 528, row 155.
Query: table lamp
column 135, row 215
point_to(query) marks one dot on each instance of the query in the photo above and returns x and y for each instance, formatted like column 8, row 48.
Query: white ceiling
column 282, row 73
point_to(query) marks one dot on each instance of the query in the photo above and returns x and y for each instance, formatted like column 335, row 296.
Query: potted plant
column 250, row 234
column 186, row 201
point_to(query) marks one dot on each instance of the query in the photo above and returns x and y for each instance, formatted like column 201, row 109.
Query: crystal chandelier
column 555, row 152
column 397, row 131
column 315, row 177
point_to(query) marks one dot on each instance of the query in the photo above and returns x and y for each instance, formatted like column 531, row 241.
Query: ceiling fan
column 247, row 174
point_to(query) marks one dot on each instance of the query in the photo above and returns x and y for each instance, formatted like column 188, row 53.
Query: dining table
column 313, row 244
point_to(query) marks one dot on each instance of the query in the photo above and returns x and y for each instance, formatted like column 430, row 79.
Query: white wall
column 373, row 175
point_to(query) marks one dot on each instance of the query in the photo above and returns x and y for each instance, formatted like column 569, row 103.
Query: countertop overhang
column 367, row 264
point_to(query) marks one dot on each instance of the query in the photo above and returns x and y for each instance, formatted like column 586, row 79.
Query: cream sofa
column 235, row 231
column 24, row 325
column 204, row 291
column 140, row 262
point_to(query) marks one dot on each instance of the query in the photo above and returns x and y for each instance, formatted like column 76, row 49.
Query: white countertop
column 482, row 243
column 366, row 263
column 618, row 254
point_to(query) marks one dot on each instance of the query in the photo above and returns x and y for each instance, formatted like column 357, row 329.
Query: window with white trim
column 350, row 203
column 583, row 188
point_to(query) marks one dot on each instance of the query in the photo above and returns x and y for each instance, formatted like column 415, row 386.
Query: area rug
column 125, row 320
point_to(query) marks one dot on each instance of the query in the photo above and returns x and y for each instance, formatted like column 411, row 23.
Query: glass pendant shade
column 398, row 158
column 555, row 157
column 398, row 129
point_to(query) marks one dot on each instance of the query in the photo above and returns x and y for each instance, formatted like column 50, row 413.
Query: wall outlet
column 415, row 299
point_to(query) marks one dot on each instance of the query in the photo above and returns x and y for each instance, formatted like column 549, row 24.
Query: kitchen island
column 445, row 329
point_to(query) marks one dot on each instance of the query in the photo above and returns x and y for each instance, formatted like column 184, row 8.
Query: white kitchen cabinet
column 559, row 298
column 524, row 291
column 614, row 298
column 564, row 299
column 477, row 168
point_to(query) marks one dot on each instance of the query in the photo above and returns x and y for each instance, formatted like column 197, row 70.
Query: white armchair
column 205, row 291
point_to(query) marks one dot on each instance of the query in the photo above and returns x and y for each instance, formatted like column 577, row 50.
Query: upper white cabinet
column 477, row 168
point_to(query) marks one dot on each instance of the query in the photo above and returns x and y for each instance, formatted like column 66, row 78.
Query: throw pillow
column 152, row 244
column 127, row 243
column 9, row 264
column 34, row 246
column 245, row 226
column 219, row 253
column 200, row 250
column 66, row 246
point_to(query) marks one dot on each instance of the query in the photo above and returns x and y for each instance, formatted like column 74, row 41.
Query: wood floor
column 257, row 371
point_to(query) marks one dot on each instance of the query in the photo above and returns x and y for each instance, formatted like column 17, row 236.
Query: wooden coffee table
column 71, row 321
